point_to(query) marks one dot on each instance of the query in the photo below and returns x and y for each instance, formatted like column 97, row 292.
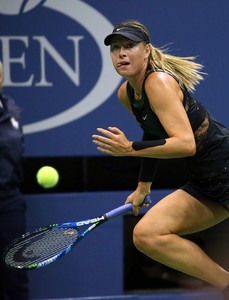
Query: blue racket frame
column 22, row 245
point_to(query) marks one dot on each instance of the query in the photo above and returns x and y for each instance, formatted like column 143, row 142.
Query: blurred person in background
column 13, row 283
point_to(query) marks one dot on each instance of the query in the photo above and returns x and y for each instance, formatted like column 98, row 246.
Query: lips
column 122, row 63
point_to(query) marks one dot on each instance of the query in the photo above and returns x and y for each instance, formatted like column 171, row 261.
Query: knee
column 148, row 241
column 139, row 238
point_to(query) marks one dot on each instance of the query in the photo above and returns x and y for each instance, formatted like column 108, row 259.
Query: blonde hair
column 184, row 69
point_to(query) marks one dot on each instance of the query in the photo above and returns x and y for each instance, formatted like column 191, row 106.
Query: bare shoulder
column 160, row 85
column 161, row 79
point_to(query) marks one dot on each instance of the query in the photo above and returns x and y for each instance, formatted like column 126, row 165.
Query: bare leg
column 158, row 236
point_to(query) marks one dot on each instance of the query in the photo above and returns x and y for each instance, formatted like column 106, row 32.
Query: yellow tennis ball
column 47, row 177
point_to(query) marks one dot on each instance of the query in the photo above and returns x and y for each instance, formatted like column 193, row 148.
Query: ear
column 147, row 50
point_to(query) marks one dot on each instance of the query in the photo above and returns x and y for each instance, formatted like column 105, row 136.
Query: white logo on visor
column 118, row 29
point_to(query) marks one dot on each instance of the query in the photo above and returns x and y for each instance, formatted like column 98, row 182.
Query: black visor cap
column 132, row 33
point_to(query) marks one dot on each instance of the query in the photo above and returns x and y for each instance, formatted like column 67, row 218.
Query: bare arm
column 165, row 98
column 123, row 98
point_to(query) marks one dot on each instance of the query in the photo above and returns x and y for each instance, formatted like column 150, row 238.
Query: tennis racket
column 47, row 244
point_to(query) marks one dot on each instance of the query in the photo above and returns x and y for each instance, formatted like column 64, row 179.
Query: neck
column 136, row 83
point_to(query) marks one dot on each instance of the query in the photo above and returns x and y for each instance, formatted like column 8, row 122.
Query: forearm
column 148, row 169
column 144, row 188
column 165, row 149
column 114, row 142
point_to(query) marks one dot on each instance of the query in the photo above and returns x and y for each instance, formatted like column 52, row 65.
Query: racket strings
column 40, row 247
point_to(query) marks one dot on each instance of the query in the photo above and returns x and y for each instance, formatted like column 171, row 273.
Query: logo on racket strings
column 69, row 232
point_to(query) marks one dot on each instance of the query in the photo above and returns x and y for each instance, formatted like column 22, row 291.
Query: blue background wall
column 59, row 72
column 41, row 59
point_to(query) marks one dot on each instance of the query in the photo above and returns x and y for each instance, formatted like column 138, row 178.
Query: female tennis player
column 157, row 92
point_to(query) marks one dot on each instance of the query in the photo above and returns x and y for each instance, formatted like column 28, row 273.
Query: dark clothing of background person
column 13, row 284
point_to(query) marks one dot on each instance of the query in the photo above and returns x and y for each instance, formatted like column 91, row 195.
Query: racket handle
column 125, row 208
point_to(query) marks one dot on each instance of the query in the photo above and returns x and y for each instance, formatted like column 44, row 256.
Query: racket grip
column 125, row 208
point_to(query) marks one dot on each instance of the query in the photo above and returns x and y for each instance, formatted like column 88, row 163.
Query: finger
column 115, row 130
column 105, row 151
column 135, row 210
column 106, row 132
column 98, row 139
column 106, row 143
column 102, row 145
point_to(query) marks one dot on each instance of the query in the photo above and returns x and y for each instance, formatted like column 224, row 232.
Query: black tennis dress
column 209, row 167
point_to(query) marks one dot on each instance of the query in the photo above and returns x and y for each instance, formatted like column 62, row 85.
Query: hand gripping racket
column 47, row 244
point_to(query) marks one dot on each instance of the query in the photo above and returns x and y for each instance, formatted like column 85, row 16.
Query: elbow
column 190, row 148
column 192, row 151
column 185, row 146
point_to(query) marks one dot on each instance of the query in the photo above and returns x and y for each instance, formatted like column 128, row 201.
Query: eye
column 130, row 45
column 114, row 47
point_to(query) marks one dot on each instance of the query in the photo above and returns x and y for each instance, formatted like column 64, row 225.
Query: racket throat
column 100, row 221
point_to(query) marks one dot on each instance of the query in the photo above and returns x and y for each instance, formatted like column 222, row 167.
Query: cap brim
column 132, row 37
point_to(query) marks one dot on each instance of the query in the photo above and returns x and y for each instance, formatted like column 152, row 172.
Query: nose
column 122, row 52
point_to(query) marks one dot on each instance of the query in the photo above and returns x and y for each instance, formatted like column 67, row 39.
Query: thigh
column 181, row 213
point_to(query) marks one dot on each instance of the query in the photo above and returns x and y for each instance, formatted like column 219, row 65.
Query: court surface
column 207, row 294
